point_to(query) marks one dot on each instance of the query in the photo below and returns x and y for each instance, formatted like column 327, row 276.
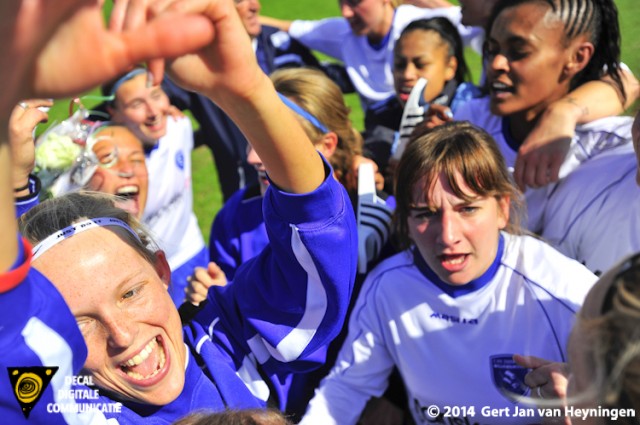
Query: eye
column 85, row 324
column 424, row 214
column 131, row 293
column 399, row 64
column 468, row 209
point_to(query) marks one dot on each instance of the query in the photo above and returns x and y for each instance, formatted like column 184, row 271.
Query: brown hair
column 314, row 92
column 57, row 213
column 456, row 147
column 235, row 417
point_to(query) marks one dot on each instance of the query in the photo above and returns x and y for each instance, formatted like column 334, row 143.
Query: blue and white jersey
column 370, row 68
column 589, row 140
column 169, row 211
column 276, row 318
column 238, row 231
column 592, row 215
column 453, row 345
column 42, row 350
column 285, row 305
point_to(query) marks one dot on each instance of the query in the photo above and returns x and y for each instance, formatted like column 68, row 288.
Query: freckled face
column 128, row 320
column 456, row 238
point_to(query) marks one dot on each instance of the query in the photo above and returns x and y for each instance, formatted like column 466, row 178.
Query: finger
column 214, row 269
column 530, row 362
column 541, row 171
column 118, row 13
column 530, row 169
column 554, row 168
column 518, row 171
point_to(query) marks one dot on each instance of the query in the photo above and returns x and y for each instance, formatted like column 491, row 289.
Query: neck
column 376, row 35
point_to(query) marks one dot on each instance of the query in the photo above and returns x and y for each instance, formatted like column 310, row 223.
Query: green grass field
column 207, row 196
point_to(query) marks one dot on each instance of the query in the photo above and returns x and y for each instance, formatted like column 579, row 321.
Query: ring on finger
column 539, row 391
column 23, row 105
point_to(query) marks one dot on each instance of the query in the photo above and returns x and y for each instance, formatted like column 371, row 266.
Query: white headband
column 50, row 241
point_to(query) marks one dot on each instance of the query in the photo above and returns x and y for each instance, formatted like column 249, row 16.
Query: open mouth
column 404, row 93
column 500, row 89
column 147, row 364
column 453, row 262
column 157, row 124
column 128, row 198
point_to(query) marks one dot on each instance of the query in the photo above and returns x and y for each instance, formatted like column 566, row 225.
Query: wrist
column 571, row 109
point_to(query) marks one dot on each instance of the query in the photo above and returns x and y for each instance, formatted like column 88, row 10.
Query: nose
column 253, row 158
column 409, row 72
column 125, row 169
column 499, row 62
column 120, row 330
column 450, row 229
column 255, row 5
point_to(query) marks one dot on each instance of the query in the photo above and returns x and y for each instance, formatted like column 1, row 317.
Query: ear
column 504, row 203
column 328, row 144
column 162, row 268
column 581, row 52
column 450, row 70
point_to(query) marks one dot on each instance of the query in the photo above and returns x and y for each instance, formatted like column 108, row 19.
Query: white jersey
column 370, row 69
column 589, row 140
column 593, row 215
column 169, row 210
column 455, row 349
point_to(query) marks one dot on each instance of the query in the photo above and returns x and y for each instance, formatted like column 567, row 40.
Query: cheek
column 98, row 181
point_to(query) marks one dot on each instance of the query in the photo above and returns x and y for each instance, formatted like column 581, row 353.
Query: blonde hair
column 314, row 92
column 612, row 338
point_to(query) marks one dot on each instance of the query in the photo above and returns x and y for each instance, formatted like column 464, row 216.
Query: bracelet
column 25, row 187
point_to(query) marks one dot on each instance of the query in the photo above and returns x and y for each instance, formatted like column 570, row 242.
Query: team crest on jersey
column 508, row 376
column 180, row 160
column 29, row 383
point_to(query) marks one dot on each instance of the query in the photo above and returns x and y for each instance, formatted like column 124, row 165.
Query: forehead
column 430, row 187
column 419, row 39
column 136, row 86
column 529, row 21
column 117, row 136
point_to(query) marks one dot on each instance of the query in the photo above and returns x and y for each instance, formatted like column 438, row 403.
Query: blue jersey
column 238, row 232
column 42, row 349
column 276, row 318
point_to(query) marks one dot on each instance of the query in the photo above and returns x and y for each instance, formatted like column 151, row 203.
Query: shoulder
column 318, row 28
column 614, row 126
column 478, row 112
column 542, row 265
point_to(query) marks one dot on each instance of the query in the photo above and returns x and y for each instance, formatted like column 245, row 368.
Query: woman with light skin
column 108, row 286
column 168, row 141
column 468, row 292
column 114, row 165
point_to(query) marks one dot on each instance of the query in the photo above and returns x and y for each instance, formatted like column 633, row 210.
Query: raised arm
column 227, row 72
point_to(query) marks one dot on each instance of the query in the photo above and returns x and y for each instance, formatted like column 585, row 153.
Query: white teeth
column 142, row 355
column 499, row 86
column 127, row 190
column 456, row 260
